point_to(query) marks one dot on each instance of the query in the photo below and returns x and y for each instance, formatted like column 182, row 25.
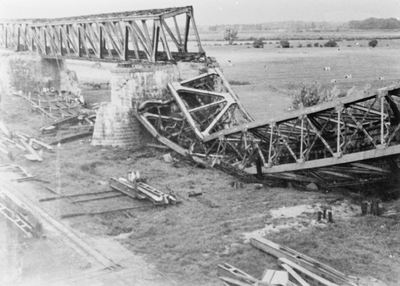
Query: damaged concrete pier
column 131, row 85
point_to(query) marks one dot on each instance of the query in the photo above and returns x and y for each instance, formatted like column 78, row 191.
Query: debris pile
column 297, row 269
column 27, row 143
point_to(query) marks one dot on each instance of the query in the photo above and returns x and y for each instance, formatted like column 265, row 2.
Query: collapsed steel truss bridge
column 348, row 142
column 112, row 37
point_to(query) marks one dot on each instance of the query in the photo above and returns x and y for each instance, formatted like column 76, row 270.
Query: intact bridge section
column 151, row 35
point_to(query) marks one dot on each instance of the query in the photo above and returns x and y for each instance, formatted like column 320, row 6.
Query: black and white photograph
column 200, row 142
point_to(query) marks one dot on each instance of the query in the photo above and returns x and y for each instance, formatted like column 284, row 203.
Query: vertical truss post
column 44, row 40
column 338, row 150
column 79, row 43
column 156, row 36
column 101, row 44
column 187, row 26
column 68, row 47
column 126, row 43
column 270, row 145
column 61, row 43
column 6, row 36
column 18, row 37
column 302, row 139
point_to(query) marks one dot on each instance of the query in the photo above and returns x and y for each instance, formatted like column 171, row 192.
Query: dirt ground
column 183, row 244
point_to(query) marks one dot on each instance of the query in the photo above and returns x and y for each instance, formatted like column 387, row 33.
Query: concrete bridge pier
column 115, row 122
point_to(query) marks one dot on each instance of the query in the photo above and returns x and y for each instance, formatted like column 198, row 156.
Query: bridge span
column 149, row 35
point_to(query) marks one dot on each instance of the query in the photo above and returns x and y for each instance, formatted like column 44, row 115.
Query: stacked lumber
column 140, row 190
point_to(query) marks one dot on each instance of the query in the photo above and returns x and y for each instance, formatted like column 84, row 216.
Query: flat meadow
column 266, row 78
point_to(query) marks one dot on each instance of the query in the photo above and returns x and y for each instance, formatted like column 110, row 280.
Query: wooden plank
column 234, row 282
column 306, row 272
column 51, row 190
column 72, row 137
column 123, row 187
column 305, row 261
column 97, row 199
column 74, row 195
column 294, row 274
column 106, row 211
column 275, row 277
column 227, row 270
column 47, row 146
column 35, row 156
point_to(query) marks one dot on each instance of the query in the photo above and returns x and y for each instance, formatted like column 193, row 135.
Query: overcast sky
column 211, row 12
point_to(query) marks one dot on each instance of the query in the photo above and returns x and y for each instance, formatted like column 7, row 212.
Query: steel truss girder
column 114, row 37
column 345, row 142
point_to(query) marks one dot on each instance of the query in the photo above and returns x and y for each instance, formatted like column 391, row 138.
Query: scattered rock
column 258, row 186
column 168, row 158
column 312, row 187
column 102, row 183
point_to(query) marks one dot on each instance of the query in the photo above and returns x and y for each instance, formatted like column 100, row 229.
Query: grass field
column 186, row 242
column 269, row 93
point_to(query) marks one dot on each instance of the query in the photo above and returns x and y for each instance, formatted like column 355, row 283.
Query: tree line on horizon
column 367, row 24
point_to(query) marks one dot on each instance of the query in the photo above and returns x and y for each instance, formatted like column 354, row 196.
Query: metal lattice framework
column 113, row 37
column 350, row 141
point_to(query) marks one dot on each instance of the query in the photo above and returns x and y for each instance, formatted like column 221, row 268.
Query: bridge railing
column 151, row 35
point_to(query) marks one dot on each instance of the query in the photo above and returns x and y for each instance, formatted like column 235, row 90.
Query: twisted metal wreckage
column 349, row 142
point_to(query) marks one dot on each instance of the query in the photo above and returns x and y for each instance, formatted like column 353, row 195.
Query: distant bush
column 316, row 45
column 258, row 44
column 284, row 44
column 238, row 82
column 270, row 43
column 373, row 43
column 330, row 43
column 309, row 45
column 314, row 94
column 348, row 46
column 300, row 46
